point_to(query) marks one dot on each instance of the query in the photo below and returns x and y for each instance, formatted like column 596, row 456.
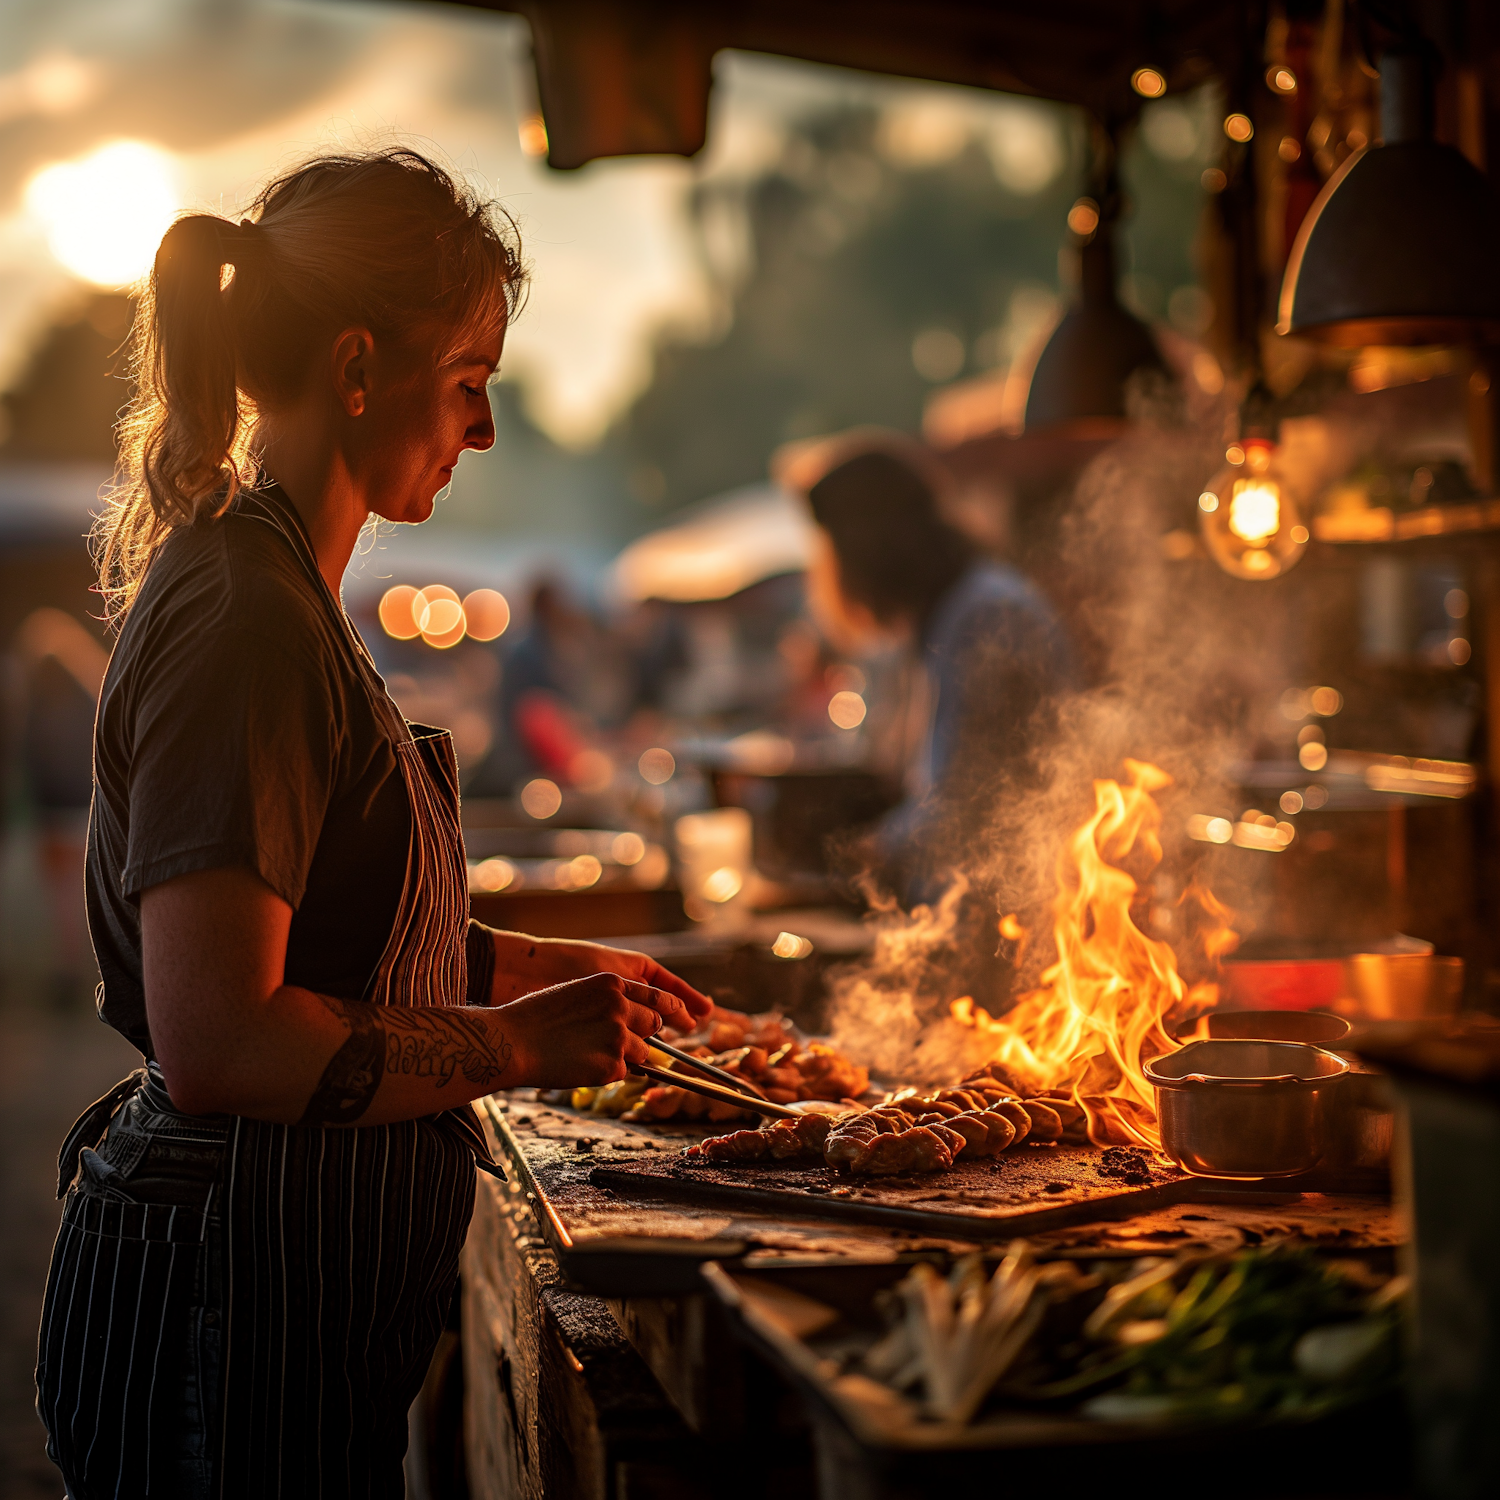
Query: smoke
column 1186, row 657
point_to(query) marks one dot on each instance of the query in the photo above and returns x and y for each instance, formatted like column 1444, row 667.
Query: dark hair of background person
column 234, row 313
column 897, row 556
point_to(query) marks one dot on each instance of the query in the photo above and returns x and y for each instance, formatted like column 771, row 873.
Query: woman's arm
column 233, row 1038
column 524, row 964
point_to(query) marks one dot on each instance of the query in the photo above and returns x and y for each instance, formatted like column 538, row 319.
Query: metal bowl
column 1244, row 1109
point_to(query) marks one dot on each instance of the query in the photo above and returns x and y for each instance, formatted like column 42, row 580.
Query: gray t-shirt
column 235, row 728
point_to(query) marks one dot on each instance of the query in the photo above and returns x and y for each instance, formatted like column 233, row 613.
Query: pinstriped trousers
column 265, row 1335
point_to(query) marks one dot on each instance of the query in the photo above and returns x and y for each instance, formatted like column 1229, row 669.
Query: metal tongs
column 719, row 1085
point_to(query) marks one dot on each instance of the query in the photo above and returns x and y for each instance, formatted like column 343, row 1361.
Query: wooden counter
column 638, row 1395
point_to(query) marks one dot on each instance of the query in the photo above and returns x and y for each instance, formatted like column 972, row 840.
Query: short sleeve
column 233, row 763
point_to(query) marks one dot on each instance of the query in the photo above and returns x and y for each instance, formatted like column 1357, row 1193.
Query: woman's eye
column 471, row 390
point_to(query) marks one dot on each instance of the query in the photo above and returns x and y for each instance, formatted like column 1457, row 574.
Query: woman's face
column 418, row 420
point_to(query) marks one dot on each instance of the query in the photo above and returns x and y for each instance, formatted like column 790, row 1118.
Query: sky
column 116, row 114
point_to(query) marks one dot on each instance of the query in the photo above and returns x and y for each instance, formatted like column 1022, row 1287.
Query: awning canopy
column 631, row 77
column 718, row 548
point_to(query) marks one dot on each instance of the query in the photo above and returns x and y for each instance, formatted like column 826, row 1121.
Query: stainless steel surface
column 1401, row 986
column 1244, row 1109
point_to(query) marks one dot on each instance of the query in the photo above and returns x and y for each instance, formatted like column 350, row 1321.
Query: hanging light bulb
column 1249, row 514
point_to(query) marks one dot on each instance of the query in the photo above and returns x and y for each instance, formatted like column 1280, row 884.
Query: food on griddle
column 803, row 1136
column 827, row 1074
column 855, row 1133
column 738, row 1145
column 910, row 1132
column 780, row 1140
column 1046, row 1123
column 759, row 1049
column 920, row 1149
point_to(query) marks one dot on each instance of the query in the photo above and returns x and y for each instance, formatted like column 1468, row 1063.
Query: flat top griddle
column 1028, row 1189
column 626, row 1214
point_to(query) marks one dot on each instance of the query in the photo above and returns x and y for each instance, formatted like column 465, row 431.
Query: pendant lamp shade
column 1082, row 372
column 1401, row 245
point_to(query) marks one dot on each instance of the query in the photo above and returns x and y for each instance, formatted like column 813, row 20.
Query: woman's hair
column 897, row 556
column 383, row 239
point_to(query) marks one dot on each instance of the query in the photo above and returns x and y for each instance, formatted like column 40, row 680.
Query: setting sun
column 105, row 213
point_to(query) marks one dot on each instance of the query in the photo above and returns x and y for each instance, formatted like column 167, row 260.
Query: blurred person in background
column 259, row 1244
column 889, row 568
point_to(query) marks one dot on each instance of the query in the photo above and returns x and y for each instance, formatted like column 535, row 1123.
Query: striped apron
column 238, row 1309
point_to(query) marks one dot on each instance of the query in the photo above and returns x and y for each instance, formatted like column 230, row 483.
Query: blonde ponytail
column 386, row 239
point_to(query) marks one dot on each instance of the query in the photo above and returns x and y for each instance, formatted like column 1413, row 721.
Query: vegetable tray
column 874, row 1445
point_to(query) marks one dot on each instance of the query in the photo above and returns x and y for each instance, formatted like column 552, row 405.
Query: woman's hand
column 586, row 1030
column 524, row 964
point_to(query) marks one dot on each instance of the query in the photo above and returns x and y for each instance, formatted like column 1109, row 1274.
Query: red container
column 1282, row 983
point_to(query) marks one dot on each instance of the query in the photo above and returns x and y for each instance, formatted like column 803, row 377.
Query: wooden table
column 639, row 1395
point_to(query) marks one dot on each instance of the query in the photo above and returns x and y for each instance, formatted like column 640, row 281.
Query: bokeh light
column 486, row 614
column 627, row 849
column 1312, row 756
column 1209, row 830
column 541, row 798
column 723, row 884
column 1083, row 217
column 1148, row 83
column 105, row 213
column 396, row 617
column 657, row 766
column 847, row 710
column 492, row 875
column 1238, row 128
column 789, row 945
column 439, row 615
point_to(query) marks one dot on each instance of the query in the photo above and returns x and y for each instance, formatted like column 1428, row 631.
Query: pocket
column 117, row 1364
column 100, row 1179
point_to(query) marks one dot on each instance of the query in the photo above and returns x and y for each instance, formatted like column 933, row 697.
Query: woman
column 262, row 1226
column 889, row 568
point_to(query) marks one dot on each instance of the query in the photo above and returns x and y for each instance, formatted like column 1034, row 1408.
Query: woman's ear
column 353, row 352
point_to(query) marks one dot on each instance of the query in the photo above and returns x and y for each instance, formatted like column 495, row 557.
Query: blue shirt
column 996, row 654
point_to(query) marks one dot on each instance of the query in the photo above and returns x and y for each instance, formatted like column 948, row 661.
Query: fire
column 1098, row 1015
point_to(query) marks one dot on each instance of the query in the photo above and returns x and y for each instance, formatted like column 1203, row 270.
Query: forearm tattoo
column 420, row 1043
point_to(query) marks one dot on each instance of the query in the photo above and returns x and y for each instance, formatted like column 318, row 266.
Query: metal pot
column 1401, row 986
column 1244, row 1109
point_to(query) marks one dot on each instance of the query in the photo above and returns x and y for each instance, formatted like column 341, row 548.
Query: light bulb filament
column 1255, row 510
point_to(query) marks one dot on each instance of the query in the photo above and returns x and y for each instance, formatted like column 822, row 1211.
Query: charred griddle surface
column 1026, row 1189
column 613, row 1184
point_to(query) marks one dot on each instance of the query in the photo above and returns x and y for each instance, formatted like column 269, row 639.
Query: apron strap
column 88, row 1129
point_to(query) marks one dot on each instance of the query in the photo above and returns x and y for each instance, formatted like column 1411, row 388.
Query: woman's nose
column 481, row 434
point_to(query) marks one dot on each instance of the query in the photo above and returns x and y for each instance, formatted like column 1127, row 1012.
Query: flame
column 1097, row 1017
